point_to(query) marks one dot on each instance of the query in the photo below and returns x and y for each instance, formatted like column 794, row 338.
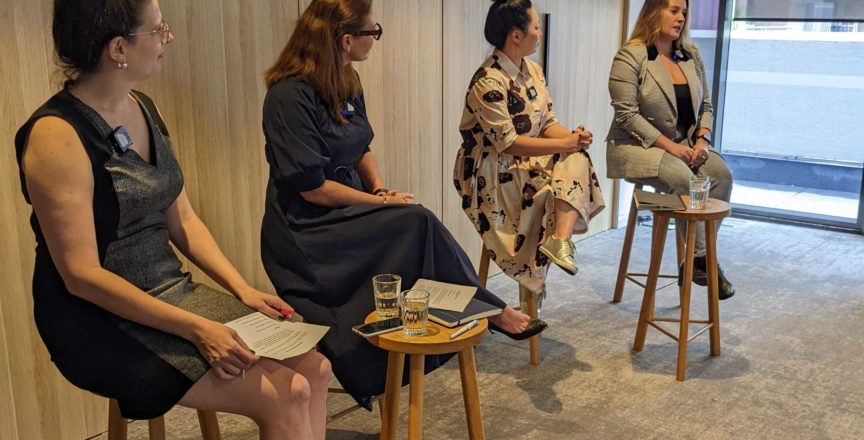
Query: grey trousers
column 674, row 178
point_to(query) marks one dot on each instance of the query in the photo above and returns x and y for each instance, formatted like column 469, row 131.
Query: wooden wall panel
column 402, row 86
column 583, row 39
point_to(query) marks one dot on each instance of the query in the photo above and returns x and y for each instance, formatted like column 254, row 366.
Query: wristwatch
column 706, row 137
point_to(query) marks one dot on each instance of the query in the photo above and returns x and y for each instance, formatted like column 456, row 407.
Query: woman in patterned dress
column 526, row 182
column 115, row 311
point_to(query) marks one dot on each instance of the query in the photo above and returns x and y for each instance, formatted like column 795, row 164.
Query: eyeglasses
column 163, row 30
column 376, row 34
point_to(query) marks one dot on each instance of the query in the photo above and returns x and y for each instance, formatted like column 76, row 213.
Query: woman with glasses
column 661, row 134
column 526, row 182
column 330, row 222
column 114, row 309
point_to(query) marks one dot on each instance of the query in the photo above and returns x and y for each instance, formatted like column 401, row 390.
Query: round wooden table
column 436, row 341
column 714, row 211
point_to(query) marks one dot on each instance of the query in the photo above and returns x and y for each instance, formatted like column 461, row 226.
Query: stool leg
column 658, row 240
column 117, row 425
column 684, row 326
column 468, row 373
column 713, row 286
column 483, row 273
column 156, row 428
column 625, row 253
column 415, row 397
column 529, row 299
column 209, row 425
column 679, row 250
column 390, row 404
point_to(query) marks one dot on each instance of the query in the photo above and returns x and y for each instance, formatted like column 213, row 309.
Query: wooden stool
column 117, row 425
column 526, row 297
column 714, row 211
column 436, row 341
column 623, row 266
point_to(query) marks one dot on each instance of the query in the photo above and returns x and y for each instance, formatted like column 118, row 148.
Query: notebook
column 658, row 201
column 475, row 309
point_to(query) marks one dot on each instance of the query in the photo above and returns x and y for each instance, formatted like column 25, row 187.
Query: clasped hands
column 394, row 196
column 223, row 348
column 693, row 157
column 578, row 140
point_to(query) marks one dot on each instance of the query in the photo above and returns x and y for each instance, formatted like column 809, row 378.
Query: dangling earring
column 122, row 66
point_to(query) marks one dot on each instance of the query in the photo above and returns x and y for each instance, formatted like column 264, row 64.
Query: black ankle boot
column 700, row 277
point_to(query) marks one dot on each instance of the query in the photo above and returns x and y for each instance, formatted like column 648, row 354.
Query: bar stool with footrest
column 713, row 212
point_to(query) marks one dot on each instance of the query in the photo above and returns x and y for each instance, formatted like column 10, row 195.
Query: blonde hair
column 647, row 28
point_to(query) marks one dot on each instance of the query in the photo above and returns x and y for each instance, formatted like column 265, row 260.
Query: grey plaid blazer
column 644, row 101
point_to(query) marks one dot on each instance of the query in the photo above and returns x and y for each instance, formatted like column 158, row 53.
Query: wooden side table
column 436, row 341
column 714, row 211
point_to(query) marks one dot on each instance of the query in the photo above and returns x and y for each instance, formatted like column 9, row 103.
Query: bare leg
column 565, row 219
column 511, row 320
column 275, row 397
column 316, row 369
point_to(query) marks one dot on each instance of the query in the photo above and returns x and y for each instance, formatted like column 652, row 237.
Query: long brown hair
column 647, row 28
column 313, row 53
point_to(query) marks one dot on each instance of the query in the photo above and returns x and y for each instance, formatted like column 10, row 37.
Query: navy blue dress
column 321, row 260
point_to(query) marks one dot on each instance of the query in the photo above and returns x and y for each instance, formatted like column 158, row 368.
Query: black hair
column 82, row 28
column 503, row 17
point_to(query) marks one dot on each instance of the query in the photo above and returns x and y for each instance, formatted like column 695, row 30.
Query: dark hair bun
column 503, row 17
column 81, row 28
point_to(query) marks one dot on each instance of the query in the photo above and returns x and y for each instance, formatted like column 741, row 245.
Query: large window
column 794, row 92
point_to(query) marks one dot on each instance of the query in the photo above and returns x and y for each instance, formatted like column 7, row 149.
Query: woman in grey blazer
column 661, row 134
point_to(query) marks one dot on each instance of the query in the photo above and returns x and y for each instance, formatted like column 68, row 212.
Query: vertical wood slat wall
column 210, row 93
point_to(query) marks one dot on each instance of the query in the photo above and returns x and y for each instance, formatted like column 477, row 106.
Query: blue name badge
column 348, row 109
column 121, row 138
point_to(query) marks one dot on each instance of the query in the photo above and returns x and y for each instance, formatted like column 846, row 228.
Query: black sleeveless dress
column 148, row 371
column 321, row 260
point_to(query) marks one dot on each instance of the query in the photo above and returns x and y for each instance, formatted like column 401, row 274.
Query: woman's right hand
column 223, row 348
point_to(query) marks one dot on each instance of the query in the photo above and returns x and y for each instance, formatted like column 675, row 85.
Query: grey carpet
column 790, row 365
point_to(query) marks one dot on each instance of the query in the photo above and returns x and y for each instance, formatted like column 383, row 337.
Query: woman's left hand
column 270, row 305
column 699, row 153
column 402, row 197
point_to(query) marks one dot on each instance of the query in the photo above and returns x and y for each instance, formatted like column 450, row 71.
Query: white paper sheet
column 445, row 295
column 277, row 339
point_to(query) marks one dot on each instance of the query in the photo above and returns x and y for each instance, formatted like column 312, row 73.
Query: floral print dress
column 510, row 199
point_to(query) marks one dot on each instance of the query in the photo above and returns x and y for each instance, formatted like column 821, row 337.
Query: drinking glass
column 415, row 312
column 387, row 287
column 699, row 188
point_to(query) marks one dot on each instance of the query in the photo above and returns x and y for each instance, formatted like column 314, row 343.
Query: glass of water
column 387, row 287
column 699, row 188
column 415, row 312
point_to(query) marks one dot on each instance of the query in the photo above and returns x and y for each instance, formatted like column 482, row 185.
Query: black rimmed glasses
column 376, row 34
column 163, row 30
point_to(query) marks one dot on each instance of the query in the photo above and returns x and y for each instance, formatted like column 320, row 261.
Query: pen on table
column 465, row 328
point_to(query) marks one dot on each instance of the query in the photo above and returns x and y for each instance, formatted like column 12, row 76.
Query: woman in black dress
column 329, row 223
column 112, row 306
